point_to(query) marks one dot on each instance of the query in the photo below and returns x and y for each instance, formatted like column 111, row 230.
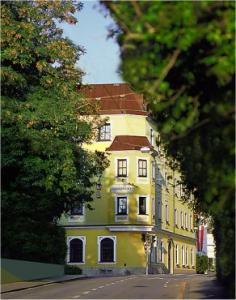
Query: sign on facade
column 122, row 189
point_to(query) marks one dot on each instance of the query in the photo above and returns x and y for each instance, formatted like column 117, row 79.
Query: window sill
column 143, row 214
column 124, row 215
column 75, row 263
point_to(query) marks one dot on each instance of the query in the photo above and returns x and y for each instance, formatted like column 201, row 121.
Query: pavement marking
column 77, row 296
column 94, row 289
column 87, row 292
column 165, row 285
column 101, row 286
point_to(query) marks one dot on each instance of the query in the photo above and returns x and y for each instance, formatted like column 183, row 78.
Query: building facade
column 139, row 223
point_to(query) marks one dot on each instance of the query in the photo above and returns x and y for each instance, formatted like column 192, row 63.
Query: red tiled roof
column 129, row 142
column 115, row 98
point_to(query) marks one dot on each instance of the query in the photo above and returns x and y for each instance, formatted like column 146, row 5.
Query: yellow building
column 138, row 223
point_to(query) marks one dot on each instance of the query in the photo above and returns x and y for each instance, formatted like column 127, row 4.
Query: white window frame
column 99, row 239
column 190, row 222
column 116, row 166
column 144, row 180
column 116, row 203
column 186, row 221
column 186, row 255
column 176, row 217
column 68, row 240
column 162, row 252
column 183, row 256
column 181, row 219
column 167, row 213
column 177, row 254
column 147, row 205
column 99, row 140
column 79, row 215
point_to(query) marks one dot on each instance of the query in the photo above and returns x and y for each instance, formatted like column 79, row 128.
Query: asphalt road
column 126, row 287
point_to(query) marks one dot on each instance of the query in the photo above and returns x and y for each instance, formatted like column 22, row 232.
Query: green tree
column 44, row 124
column 180, row 55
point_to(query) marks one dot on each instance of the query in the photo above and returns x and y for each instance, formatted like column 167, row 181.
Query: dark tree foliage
column 181, row 56
column 44, row 167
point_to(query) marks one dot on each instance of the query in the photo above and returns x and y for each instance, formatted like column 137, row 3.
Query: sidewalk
column 204, row 287
column 22, row 285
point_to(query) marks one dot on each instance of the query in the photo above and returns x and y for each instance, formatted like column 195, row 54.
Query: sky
column 101, row 60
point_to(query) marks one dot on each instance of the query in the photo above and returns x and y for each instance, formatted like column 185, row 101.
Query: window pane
column 76, row 250
column 122, row 168
column 105, row 132
column 107, row 250
column 76, row 208
column 142, row 205
column 122, row 205
column 142, row 168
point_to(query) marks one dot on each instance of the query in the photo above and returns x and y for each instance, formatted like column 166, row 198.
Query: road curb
column 43, row 284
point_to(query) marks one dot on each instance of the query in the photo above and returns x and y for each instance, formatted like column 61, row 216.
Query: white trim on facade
column 116, row 167
column 143, row 180
column 144, row 217
column 131, row 228
column 99, row 239
column 177, row 254
column 120, row 218
column 77, row 218
column 68, row 240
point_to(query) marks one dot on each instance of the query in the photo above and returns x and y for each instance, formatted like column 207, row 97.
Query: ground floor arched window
column 76, row 251
column 107, row 249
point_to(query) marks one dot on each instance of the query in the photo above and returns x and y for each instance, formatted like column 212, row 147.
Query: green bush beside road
column 201, row 264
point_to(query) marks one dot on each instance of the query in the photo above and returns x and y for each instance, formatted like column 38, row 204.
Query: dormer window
column 77, row 209
column 104, row 133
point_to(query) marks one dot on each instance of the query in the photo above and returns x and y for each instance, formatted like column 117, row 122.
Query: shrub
column 72, row 270
column 201, row 264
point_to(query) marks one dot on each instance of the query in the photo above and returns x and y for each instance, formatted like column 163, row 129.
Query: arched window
column 107, row 250
column 76, row 251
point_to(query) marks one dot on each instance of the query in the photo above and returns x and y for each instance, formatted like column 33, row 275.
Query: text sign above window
column 122, row 188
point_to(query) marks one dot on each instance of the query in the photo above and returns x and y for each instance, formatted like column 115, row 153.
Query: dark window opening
column 77, row 208
column 107, row 250
column 76, row 251
column 142, row 206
